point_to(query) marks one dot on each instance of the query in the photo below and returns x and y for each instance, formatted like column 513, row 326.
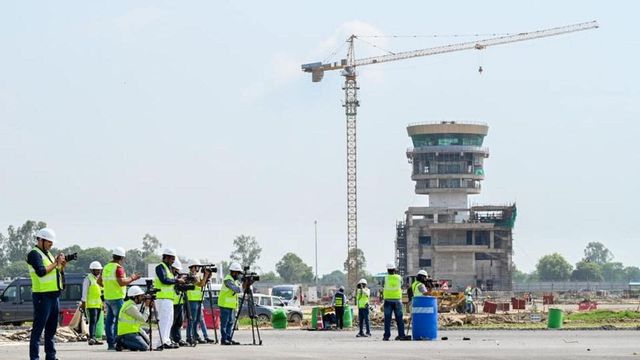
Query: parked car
column 16, row 303
column 262, row 312
column 290, row 294
column 294, row 313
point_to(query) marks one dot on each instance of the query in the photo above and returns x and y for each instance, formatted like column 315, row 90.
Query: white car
column 294, row 313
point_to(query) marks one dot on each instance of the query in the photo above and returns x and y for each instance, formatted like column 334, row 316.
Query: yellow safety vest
column 195, row 294
column 414, row 288
column 166, row 290
column 112, row 290
column 94, row 293
column 392, row 287
column 338, row 300
column 127, row 324
column 228, row 298
column 363, row 299
column 51, row 281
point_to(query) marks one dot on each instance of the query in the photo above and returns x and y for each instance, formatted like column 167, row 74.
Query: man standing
column 339, row 302
column 362, row 299
column 92, row 300
column 115, row 281
column 195, row 305
column 165, row 281
column 47, row 280
column 468, row 299
column 178, row 309
column 131, row 320
column 392, row 294
column 228, row 302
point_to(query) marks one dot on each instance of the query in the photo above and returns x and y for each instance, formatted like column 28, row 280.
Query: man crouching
column 130, row 321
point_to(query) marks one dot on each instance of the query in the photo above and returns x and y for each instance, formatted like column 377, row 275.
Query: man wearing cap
column 228, row 303
column 47, row 280
column 339, row 302
column 195, row 297
column 392, row 294
column 164, row 281
column 362, row 300
column 92, row 300
column 131, row 336
column 114, row 281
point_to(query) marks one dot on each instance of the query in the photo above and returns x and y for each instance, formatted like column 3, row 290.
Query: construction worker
column 392, row 294
column 228, row 302
column 131, row 336
column 339, row 303
column 91, row 300
column 165, row 281
column 114, row 281
column 195, row 297
column 47, row 280
column 418, row 286
column 468, row 295
column 178, row 309
column 362, row 299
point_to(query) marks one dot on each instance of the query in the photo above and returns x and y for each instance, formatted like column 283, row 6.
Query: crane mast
column 351, row 104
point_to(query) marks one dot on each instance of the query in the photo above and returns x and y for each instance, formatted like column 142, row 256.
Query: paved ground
column 300, row 344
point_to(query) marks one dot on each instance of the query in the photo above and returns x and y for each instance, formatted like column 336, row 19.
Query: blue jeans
column 195, row 308
column 395, row 307
column 111, row 320
column 45, row 317
column 133, row 342
column 94, row 314
column 363, row 319
column 226, row 324
column 469, row 307
column 203, row 325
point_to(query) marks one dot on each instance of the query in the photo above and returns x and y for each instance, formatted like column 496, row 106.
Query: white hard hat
column 119, row 251
column 134, row 291
column 46, row 234
column 170, row 252
column 423, row 272
column 95, row 265
column 235, row 267
column 341, row 288
column 177, row 264
column 362, row 281
column 194, row 263
column 391, row 266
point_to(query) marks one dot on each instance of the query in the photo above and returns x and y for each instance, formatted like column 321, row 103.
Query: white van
column 290, row 294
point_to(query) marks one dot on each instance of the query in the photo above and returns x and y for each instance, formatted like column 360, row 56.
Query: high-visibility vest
column 362, row 298
column 195, row 294
column 112, row 289
column 51, row 281
column 339, row 299
column 392, row 287
column 127, row 324
column 414, row 288
column 228, row 298
column 177, row 298
column 166, row 290
column 94, row 293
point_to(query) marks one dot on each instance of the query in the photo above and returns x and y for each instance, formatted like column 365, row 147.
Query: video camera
column 71, row 257
column 248, row 276
column 151, row 291
column 431, row 284
column 210, row 268
column 189, row 282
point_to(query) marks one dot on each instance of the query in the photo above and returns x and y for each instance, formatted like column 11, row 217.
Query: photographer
column 131, row 320
column 362, row 300
column 178, row 309
column 47, row 274
column 339, row 302
column 164, row 281
column 419, row 286
column 228, row 302
column 92, row 300
column 195, row 304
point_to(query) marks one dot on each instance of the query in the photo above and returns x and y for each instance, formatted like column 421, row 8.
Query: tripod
column 213, row 314
column 153, row 315
column 247, row 295
column 183, row 303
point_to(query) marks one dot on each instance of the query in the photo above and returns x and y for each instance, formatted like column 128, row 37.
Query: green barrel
column 100, row 326
column 555, row 319
column 279, row 319
column 347, row 319
column 314, row 317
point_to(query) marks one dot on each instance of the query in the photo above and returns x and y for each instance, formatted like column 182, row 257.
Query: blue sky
column 192, row 121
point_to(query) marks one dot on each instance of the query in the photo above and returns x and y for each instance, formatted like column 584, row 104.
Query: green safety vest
column 112, row 290
column 362, row 298
column 338, row 300
column 177, row 298
column 94, row 293
column 51, row 281
column 414, row 288
column 227, row 298
column 392, row 287
column 195, row 294
column 127, row 324
column 166, row 290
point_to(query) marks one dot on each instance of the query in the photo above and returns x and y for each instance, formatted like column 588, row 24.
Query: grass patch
column 603, row 315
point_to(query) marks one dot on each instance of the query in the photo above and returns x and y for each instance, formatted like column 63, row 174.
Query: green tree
column 134, row 262
column 3, row 255
column 150, row 245
column 519, row 276
column 553, row 267
column 587, row 271
column 292, row 269
column 632, row 273
column 613, row 272
column 270, row 277
column 361, row 263
column 336, row 277
column 596, row 252
column 15, row 269
column 19, row 241
column 246, row 250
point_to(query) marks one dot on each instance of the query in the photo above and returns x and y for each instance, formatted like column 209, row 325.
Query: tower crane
column 351, row 104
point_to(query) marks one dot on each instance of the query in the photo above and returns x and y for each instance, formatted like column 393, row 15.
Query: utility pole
column 315, row 227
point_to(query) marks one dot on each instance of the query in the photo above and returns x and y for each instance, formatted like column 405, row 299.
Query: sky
column 192, row 121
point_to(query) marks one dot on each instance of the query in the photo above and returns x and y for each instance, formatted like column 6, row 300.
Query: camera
column 71, row 257
column 248, row 276
column 151, row 291
column 189, row 282
column 211, row 268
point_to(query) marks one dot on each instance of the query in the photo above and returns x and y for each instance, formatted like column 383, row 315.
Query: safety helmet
column 46, row 234
column 341, row 288
column 134, row 291
column 177, row 264
column 119, row 251
column 235, row 267
column 423, row 272
column 194, row 263
column 391, row 266
column 362, row 281
column 95, row 265
column 169, row 252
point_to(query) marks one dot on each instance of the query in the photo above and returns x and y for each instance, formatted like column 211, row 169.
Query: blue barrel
column 424, row 318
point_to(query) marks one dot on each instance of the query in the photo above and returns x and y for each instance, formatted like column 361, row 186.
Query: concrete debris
column 63, row 335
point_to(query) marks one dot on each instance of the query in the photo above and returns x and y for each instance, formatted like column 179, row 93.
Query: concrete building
column 452, row 241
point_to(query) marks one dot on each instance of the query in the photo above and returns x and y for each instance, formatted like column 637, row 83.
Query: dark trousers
column 45, row 317
column 339, row 317
column 363, row 319
column 178, row 319
column 94, row 314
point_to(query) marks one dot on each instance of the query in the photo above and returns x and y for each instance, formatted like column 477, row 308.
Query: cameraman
column 178, row 309
column 92, row 300
column 228, row 302
column 195, row 297
column 362, row 300
column 339, row 302
column 164, row 281
column 419, row 287
column 130, row 322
